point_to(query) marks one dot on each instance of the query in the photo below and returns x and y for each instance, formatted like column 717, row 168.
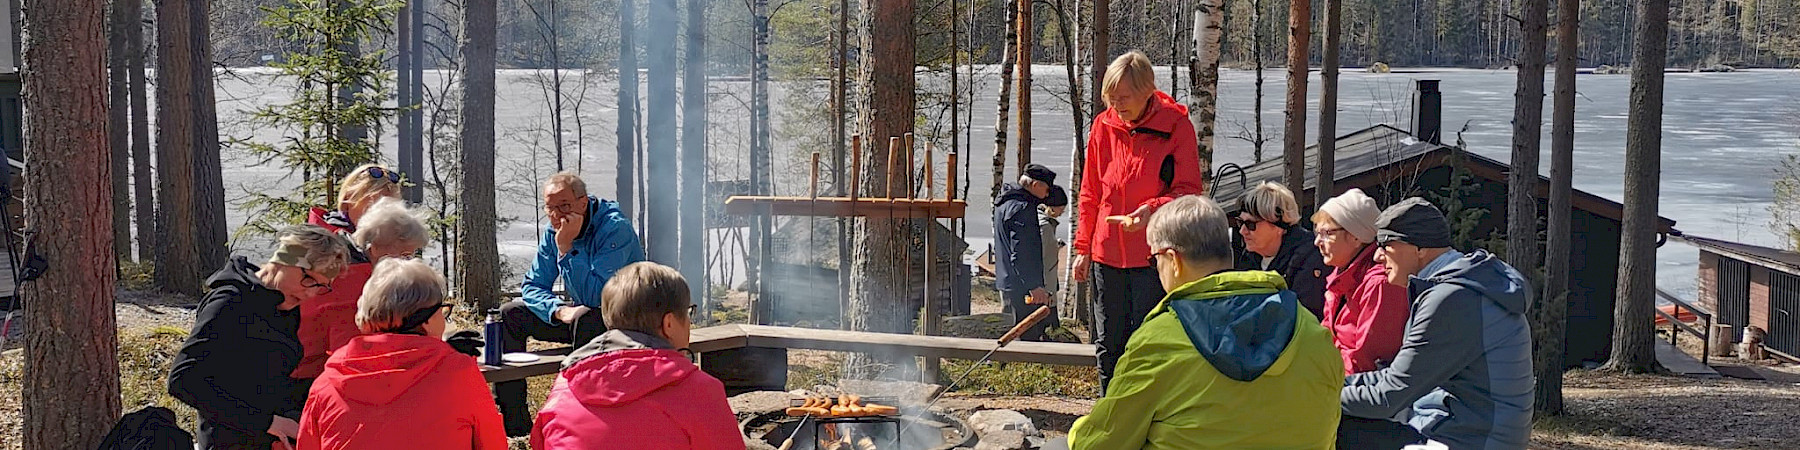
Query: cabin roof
column 1786, row 261
column 1382, row 153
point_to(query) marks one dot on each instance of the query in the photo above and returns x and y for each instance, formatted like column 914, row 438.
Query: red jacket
column 1123, row 172
column 335, row 221
column 635, row 398
column 388, row 391
column 1366, row 314
column 327, row 322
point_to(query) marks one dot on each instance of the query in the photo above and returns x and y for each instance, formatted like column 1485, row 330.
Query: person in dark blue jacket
column 1019, row 246
column 588, row 241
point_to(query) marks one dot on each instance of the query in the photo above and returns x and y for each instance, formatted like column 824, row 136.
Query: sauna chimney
column 1428, row 113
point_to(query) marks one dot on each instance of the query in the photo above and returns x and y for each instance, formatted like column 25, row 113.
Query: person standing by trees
column 1018, row 246
column 1141, row 155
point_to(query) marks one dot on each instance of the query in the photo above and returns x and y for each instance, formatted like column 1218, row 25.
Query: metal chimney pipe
column 1428, row 113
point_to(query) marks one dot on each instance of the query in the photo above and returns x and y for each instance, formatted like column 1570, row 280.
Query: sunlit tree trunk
column 477, row 255
column 1633, row 330
column 1552, row 310
column 1294, row 139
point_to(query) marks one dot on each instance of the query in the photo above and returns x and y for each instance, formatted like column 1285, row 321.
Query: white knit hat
column 1354, row 211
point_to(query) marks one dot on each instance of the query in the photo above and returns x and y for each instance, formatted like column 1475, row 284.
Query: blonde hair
column 358, row 185
column 1271, row 201
column 389, row 221
column 398, row 288
column 1131, row 70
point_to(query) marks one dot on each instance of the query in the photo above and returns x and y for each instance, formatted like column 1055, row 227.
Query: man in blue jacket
column 589, row 239
column 1019, row 246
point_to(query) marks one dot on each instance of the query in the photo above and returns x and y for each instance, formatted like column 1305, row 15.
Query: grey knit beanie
column 1414, row 221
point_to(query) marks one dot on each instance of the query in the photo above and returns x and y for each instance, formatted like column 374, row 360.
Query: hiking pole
column 1011, row 335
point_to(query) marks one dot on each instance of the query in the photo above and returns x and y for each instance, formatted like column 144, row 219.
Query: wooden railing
column 1676, row 326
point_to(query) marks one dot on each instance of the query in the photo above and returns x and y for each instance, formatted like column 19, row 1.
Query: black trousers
column 1122, row 297
column 1015, row 305
column 520, row 324
column 1356, row 433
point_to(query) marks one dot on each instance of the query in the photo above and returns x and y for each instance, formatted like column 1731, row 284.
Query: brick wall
column 1759, row 296
column 1709, row 281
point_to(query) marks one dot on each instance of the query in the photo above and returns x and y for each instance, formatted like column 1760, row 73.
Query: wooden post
column 855, row 167
column 950, row 177
column 1721, row 340
column 815, row 176
column 912, row 188
column 930, row 190
column 893, row 156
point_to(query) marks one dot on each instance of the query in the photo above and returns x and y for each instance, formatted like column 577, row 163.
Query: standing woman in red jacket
column 1141, row 154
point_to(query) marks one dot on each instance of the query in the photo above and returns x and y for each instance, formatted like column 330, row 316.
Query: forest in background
column 1445, row 33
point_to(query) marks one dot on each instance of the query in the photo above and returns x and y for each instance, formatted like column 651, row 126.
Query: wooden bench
column 731, row 337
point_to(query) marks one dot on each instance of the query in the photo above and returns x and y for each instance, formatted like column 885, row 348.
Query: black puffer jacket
column 234, row 367
column 1298, row 262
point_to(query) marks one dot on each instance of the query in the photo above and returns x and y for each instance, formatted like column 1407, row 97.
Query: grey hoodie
column 1463, row 375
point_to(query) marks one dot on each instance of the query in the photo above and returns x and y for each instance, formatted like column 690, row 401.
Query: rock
column 760, row 402
column 1379, row 67
column 1004, row 429
column 979, row 326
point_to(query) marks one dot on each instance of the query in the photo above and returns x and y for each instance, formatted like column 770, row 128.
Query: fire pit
column 923, row 430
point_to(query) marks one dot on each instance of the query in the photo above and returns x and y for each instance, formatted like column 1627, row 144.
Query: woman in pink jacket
column 631, row 388
column 1366, row 314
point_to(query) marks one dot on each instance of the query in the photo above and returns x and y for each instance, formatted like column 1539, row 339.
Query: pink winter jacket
column 626, row 391
column 1366, row 314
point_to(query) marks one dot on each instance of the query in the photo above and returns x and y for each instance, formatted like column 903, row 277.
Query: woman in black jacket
column 1268, row 220
column 234, row 367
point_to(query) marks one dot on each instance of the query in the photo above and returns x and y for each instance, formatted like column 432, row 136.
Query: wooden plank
column 549, row 362
column 712, row 339
column 846, row 207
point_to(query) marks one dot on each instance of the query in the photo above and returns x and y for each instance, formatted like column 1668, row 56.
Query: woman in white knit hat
column 1366, row 314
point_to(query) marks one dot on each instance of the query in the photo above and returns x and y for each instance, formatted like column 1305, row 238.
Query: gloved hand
column 467, row 342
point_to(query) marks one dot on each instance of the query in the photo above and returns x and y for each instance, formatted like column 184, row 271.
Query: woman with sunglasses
column 1268, row 220
column 234, row 367
column 389, row 230
column 358, row 192
column 399, row 385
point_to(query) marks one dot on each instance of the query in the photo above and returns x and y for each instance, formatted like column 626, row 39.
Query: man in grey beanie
column 1463, row 374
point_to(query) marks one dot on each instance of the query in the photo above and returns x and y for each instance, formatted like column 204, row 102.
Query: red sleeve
column 1188, row 179
column 490, row 431
column 1088, row 196
column 1386, row 309
column 715, row 426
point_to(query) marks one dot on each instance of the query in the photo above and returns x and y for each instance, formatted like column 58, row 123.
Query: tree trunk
column 1069, row 302
column 840, row 85
column 477, row 255
column 628, row 91
column 211, row 231
column 888, row 248
column 1293, row 144
column 1633, row 330
column 1102, row 54
column 1328, row 100
column 71, row 385
column 662, row 198
column 1026, row 41
column 178, row 267
column 1552, row 310
column 118, row 121
column 693, row 156
column 1203, row 74
column 1528, row 129
column 1007, row 54
column 1256, row 50
column 142, row 179
column 761, row 164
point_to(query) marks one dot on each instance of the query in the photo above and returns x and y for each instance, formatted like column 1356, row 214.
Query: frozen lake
column 1723, row 135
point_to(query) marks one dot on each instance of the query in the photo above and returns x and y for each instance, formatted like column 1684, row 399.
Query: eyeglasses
column 307, row 280
column 562, row 208
column 379, row 173
column 1154, row 254
column 693, row 309
column 1329, row 234
column 1245, row 221
column 447, row 307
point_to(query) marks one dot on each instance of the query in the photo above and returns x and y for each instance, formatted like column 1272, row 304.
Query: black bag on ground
column 149, row 428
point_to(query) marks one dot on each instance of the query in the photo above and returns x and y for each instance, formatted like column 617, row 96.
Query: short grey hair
column 389, row 221
column 569, row 180
column 1272, row 202
column 1194, row 227
column 398, row 288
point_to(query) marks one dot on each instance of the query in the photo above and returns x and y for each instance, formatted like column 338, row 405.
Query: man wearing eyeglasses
column 588, row 241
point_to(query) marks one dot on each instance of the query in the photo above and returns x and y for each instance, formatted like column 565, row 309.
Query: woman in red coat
column 1366, row 314
column 399, row 385
column 329, row 321
column 1142, row 154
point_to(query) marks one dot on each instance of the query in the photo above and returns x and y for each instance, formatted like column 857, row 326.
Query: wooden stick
column 815, row 175
column 912, row 187
column 893, row 158
column 930, row 190
column 950, row 177
column 855, row 167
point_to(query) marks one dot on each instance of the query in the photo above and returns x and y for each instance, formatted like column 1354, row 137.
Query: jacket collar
column 1342, row 281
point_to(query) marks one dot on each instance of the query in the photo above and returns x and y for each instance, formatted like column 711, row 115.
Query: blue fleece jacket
column 606, row 244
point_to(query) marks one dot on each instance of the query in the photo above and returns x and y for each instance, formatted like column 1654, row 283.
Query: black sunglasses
column 1238, row 221
column 380, row 173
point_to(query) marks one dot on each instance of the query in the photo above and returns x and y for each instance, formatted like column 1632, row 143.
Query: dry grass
column 1607, row 410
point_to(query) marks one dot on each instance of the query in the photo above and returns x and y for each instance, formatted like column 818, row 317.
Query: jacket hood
column 1241, row 322
column 622, row 366
column 1163, row 113
column 375, row 369
column 1012, row 191
column 597, row 211
column 239, row 274
column 1484, row 273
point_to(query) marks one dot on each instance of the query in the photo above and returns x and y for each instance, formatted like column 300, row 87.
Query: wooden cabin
column 1390, row 165
column 1748, row 285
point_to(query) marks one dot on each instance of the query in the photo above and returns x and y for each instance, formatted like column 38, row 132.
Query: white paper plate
column 519, row 358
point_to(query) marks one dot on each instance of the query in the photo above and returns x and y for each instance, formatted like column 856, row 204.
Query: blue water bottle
column 492, row 335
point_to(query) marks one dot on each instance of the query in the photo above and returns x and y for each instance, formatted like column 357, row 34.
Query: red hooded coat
column 1366, row 314
column 638, row 398
column 391, row 391
column 327, row 322
column 1125, row 164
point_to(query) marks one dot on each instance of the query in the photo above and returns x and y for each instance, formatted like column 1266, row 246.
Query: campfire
column 851, row 422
